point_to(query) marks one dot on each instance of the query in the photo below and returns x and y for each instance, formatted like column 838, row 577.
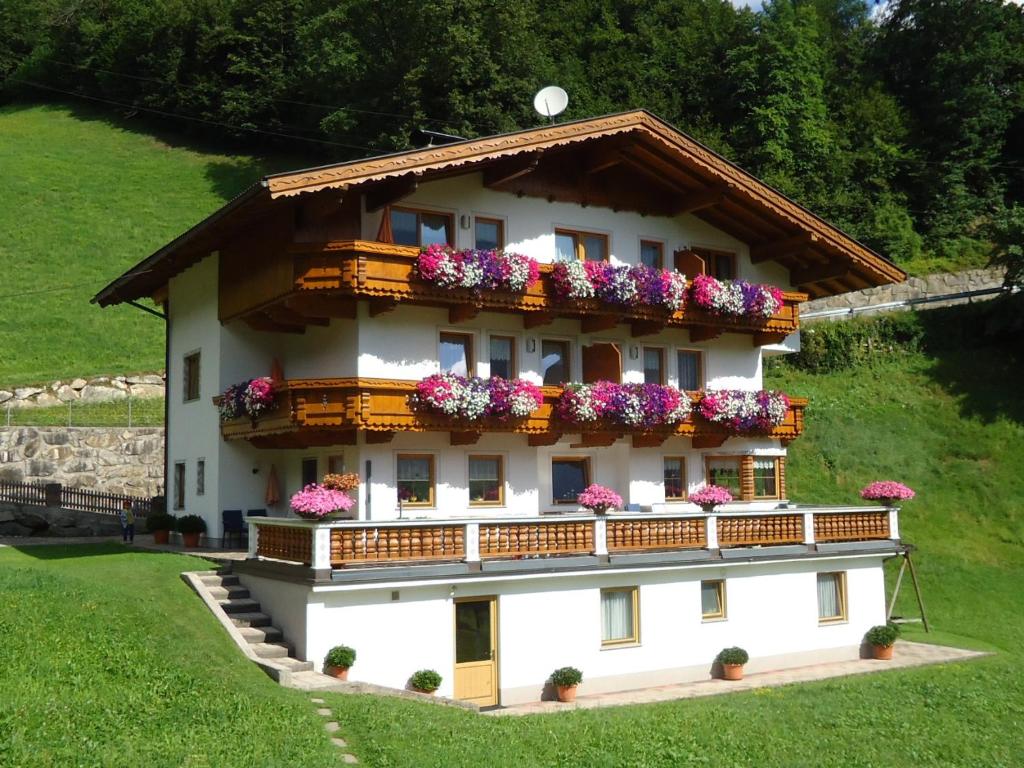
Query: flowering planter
column 882, row 652
column 341, row 673
column 732, row 671
column 161, row 537
column 566, row 693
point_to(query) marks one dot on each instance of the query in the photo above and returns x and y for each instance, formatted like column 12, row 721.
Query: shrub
column 191, row 524
column 733, row 655
column 425, row 680
column 882, row 634
column 566, row 677
column 340, row 656
column 159, row 521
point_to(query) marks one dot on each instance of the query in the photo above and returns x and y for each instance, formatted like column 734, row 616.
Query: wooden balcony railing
column 345, row 544
column 317, row 412
column 326, row 275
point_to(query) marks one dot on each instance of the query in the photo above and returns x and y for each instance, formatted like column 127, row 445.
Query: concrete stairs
column 265, row 640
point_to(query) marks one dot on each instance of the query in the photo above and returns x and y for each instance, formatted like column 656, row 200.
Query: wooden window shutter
column 782, row 476
column 384, row 233
column 689, row 263
column 601, row 362
column 746, row 478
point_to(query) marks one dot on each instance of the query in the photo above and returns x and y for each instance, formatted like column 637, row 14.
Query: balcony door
column 476, row 650
column 602, row 362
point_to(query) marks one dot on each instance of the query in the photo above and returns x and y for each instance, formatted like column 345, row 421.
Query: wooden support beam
column 777, row 249
column 596, row 440
column 708, row 441
column 388, row 192
column 279, row 313
column 460, row 313
column 645, row 327
column 311, row 304
column 382, row 306
column 378, row 438
column 511, row 169
column 651, row 440
column 761, row 338
column 261, row 322
column 701, row 199
column 595, row 323
column 544, row 438
column 601, row 159
column 704, row 333
column 463, row 438
column 537, row 319
column 819, row 272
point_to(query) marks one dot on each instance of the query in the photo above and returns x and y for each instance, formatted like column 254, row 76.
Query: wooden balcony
column 328, row 278
column 320, row 412
column 357, row 544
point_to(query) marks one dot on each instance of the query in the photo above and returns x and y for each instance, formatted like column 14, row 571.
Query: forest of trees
column 902, row 124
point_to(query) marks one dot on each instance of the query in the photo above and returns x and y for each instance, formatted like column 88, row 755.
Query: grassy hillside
column 83, row 198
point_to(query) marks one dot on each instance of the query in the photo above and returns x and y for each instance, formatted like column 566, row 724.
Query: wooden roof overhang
column 629, row 161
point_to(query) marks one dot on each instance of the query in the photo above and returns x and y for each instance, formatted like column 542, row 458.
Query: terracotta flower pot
column 341, row 673
column 191, row 540
column 883, row 652
column 732, row 671
column 566, row 693
column 420, row 690
column 161, row 537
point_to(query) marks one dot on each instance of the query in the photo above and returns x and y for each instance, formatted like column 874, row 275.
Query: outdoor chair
column 257, row 513
column 233, row 526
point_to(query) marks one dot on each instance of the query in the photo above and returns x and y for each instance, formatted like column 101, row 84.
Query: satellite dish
column 551, row 101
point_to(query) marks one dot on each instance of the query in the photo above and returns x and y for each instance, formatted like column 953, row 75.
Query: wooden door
column 602, row 362
column 476, row 650
column 689, row 263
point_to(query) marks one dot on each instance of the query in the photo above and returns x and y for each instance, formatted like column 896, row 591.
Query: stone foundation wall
column 30, row 520
column 99, row 389
column 128, row 460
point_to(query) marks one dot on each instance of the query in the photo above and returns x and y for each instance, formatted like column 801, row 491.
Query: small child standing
column 127, row 523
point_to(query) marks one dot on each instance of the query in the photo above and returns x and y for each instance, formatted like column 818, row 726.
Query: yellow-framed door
column 476, row 650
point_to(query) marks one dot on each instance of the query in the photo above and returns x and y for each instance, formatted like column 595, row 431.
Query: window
column 719, row 264
column 489, row 234
column 191, row 372
column 486, row 481
column 580, row 246
column 457, row 354
column 675, row 478
column 712, row 599
column 310, row 472
column 422, row 228
column 619, row 616
column 200, row 477
column 554, row 362
column 690, row 370
column 725, row 471
column 766, row 478
column 569, row 476
column 831, row 597
column 179, row 485
column 651, row 253
column 416, row 480
column 654, row 365
column 336, row 464
column 503, row 356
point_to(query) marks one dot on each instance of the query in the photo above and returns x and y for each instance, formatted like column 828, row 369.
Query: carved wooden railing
column 326, row 273
column 329, row 411
column 341, row 544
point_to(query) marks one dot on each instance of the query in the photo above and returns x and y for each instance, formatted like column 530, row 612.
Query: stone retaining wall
column 30, row 520
column 128, row 460
column 99, row 389
column 913, row 288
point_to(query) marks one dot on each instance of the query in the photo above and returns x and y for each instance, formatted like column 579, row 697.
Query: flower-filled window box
column 477, row 270
column 735, row 298
column 743, row 411
column 251, row 398
column 629, row 287
column 644, row 406
column 474, row 398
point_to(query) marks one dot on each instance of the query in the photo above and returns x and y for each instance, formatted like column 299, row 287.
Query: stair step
column 266, row 634
column 234, row 592
column 242, row 605
column 214, row 580
column 294, row 664
column 250, row 619
column 270, row 650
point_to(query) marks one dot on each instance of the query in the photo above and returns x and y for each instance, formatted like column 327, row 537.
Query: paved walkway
column 907, row 655
column 142, row 541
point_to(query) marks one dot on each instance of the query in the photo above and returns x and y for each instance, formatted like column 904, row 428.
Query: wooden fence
column 78, row 499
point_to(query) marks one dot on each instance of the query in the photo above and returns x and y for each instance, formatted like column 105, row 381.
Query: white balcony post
column 601, row 535
column 472, row 540
column 808, row 527
column 894, row 523
column 254, row 532
column 321, row 548
column 711, row 530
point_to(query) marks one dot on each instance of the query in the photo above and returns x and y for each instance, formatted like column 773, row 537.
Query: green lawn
column 108, row 659
column 83, row 198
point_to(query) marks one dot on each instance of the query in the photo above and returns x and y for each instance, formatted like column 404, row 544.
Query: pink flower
column 599, row 499
column 711, row 496
column 887, row 491
column 314, row 502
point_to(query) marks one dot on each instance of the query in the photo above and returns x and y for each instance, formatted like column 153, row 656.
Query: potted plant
column 599, row 499
column 710, row 496
column 191, row 527
column 316, row 502
column 160, row 524
column 565, row 680
column 338, row 660
column 732, row 661
column 888, row 492
column 882, row 638
column 425, row 681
